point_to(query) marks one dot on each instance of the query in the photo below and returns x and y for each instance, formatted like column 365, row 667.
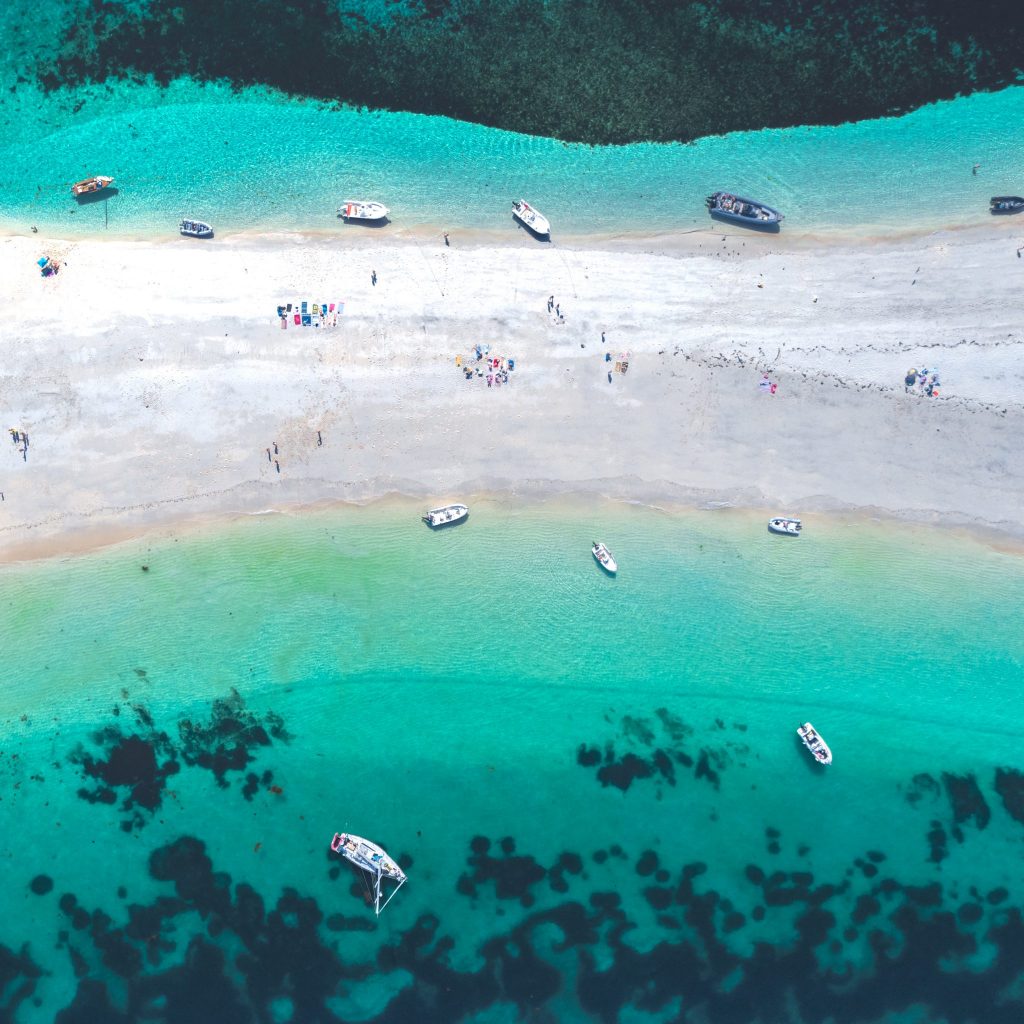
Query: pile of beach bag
column 310, row 314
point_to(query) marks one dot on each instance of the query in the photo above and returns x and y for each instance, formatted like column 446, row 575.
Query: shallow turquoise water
column 489, row 681
column 260, row 162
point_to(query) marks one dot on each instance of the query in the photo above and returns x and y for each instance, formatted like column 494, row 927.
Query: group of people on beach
column 19, row 437
column 924, row 382
column 555, row 311
column 483, row 366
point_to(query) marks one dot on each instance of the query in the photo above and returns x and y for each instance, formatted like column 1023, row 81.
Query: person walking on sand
column 277, row 465
column 551, row 303
column 373, row 278
column 269, row 459
column 446, row 242
column 319, row 440
column 602, row 338
column 275, row 448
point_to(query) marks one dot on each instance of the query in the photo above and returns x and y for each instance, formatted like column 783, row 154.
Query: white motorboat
column 195, row 229
column 448, row 515
column 372, row 859
column 362, row 210
column 604, row 558
column 787, row 527
column 90, row 186
column 531, row 218
column 814, row 743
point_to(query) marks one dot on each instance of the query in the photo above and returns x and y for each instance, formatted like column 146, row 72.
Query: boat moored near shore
column 90, row 186
column 747, row 212
column 814, row 743
column 531, row 219
column 1006, row 204
column 371, row 858
column 447, row 515
column 785, row 526
column 363, row 210
column 195, row 229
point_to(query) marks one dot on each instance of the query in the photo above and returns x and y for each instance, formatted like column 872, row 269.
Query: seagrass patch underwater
column 593, row 784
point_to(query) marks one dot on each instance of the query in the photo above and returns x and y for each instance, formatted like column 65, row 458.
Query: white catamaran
column 372, row 859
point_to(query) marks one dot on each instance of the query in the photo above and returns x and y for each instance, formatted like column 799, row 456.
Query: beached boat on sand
column 364, row 210
column 784, row 526
column 738, row 210
column 195, row 229
column 371, row 858
column 530, row 218
column 604, row 558
column 1006, row 204
column 814, row 743
column 89, row 186
column 447, row 515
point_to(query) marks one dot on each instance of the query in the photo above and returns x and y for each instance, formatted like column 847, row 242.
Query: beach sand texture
column 152, row 378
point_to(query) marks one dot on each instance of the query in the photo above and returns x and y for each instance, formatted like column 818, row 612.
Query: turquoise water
column 595, row 783
column 259, row 162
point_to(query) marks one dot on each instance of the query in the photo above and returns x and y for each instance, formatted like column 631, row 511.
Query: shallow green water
column 474, row 682
column 258, row 162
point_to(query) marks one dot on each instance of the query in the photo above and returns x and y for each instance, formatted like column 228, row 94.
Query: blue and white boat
column 1006, row 204
column 738, row 210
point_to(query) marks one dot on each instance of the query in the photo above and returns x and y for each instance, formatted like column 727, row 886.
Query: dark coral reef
column 596, row 71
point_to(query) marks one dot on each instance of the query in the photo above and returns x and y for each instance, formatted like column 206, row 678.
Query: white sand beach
column 151, row 378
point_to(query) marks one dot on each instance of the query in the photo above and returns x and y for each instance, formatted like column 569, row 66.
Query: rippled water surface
column 594, row 783
column 263, row 163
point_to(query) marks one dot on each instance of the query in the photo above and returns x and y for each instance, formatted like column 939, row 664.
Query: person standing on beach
column 269, row 459
column 277, row 465
column 446, row 242
column 275, row 448
column 373, row 278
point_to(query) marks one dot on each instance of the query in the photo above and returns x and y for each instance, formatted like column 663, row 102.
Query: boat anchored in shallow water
column 364, row 210
column 195, row 229
column 604, row 558
column 738, row 210
column 785, row 526
column 90, row 186
column 371, row 858
column 530, row 218
column 1006, row 204
column 814, row 743
column 447, row 515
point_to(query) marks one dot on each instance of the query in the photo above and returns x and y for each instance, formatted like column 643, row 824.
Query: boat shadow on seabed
column 91, row 198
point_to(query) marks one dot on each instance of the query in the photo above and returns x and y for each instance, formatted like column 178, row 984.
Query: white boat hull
column 785, row 527
column 371, row 858
column 367, row 211
column 530, row 218
column 603, row 557
column 819, row 749
column 447, row 515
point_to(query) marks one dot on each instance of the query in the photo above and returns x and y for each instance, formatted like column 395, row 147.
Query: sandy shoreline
column 152, row 377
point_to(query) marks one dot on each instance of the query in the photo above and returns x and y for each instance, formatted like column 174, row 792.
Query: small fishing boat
column 448, row 515
column 371, row 858
column 738, row 210
column 90, row 186
column 530, row 218
column 786, row 527
column 1006, row 204
column 814, row 743
column 363, row 210
column 195, row 229
column 604, row 558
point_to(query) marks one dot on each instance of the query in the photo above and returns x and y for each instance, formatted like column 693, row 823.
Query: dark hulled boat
column 736, row 209
column 1006, row 204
